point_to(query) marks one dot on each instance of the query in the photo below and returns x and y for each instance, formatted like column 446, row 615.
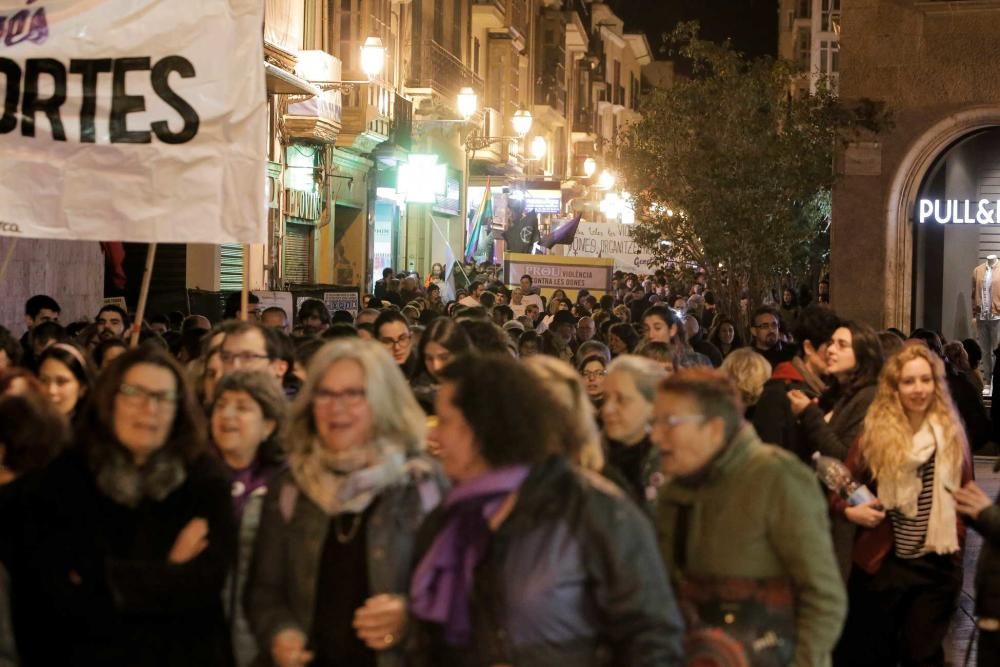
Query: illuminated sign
column 958, row 211
column 543, row 201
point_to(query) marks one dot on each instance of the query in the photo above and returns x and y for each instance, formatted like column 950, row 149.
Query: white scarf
column 901, row 491
column 347, row 481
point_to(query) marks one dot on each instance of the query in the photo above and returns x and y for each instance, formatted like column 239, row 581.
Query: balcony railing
column 499, row 4
column 520, row 17
column 442, row 72
column 584, row 120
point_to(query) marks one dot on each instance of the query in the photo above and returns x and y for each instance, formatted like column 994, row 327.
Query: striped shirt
column 910, row 533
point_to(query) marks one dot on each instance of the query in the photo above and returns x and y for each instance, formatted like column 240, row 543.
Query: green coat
column 757, row 512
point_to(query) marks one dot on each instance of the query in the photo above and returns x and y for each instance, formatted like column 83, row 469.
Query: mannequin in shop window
column 986, row 310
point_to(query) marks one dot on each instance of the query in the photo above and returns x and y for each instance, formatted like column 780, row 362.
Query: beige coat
column 977, row 289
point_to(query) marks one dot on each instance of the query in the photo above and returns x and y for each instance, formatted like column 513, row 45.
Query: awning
column 280, row 82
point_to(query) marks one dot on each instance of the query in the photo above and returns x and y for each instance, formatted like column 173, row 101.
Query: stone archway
column 902, row 196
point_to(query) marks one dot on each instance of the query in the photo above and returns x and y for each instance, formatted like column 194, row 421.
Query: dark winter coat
column 282, row 587
column 988, row 569
column 571, row 577
column 969, row 402
column 101, row 579
column 835, row 439
column 772, row 418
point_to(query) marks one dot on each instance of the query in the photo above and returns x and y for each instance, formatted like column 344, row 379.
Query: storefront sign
column 127, row 121
column 611, row 239
column 959, row 211
column 551, row 271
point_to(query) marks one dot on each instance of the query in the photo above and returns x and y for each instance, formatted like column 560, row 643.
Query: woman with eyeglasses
column 327, row 583
column 593, row 369
column 392, row 331
column 247, row 423
column 134, row 529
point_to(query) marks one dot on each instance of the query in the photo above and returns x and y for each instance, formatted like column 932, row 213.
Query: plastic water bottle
column 836, row 477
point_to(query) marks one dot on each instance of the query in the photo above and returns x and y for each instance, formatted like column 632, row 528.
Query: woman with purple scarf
column 531, row 561
column 247, row 417
column 327, row 585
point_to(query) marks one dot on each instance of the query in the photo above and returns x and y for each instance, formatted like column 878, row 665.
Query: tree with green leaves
column 729, row 171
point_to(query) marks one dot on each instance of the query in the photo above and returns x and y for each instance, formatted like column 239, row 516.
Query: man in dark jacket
column 773, row 418
column 765, row 336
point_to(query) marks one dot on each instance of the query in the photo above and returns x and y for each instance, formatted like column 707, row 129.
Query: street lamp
column 372, row 57
column 606, row 180
column 522, row 122
column 589, row 167
column 539, row 147
column 468, row 102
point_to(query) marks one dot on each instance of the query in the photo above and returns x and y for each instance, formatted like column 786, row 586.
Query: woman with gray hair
column 629, row 391
column 333, row 553
column 248, row 419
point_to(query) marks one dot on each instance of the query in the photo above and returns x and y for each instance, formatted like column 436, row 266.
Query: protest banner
column 611, row 239
column 138, row 121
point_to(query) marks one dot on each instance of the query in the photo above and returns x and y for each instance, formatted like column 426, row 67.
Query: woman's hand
column 971, row 500
column 799, row 401
column 865, row 515
column 288, row 648
column 190, row 542
column 380, row 624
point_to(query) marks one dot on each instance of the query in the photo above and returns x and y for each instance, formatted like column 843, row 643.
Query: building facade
column 904, row 247
column 809, row 35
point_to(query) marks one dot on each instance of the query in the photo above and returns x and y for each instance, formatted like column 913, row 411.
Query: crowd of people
column 488, row 477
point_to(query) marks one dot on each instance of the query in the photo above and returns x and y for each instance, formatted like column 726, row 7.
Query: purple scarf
column 442, row 581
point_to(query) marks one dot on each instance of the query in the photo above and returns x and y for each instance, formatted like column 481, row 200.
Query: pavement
column 960, row 644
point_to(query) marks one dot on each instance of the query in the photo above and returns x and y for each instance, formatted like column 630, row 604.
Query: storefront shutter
column 231, row 267
column 298, row 253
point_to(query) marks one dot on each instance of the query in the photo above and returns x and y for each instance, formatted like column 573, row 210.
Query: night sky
column 752, row 25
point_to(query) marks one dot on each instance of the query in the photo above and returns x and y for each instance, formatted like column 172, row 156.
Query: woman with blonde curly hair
column 907, row 574
column 749, row 371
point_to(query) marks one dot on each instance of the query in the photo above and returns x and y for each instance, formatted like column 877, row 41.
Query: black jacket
column 701, row 345
column 972, row 410
column 580, row 565
column 988, row 569
column 835, row 439
column 772, row 416
column 101, row 579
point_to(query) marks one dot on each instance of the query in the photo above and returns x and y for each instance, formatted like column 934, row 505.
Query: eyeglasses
column 242, row 357
column 351, row 397
column 137, row 395
column 767, row 326
column 671, row 421
column 593, row 375
column 395, row 342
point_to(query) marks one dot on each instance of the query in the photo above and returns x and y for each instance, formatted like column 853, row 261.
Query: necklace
column 352, row 531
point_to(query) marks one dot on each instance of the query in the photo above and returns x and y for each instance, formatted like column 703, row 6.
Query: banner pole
column 6, row 259
column 140, row 311
column 245, row 292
